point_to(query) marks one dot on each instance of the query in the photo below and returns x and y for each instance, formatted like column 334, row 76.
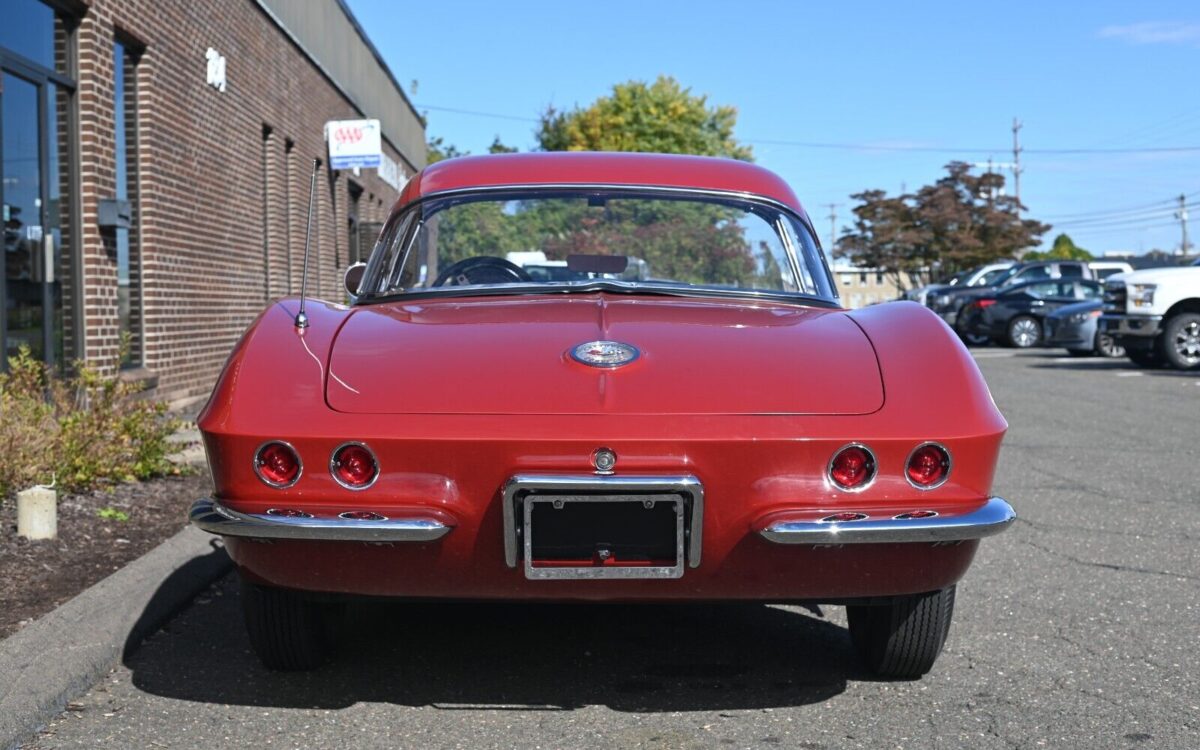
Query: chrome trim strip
column 213, row 517
column 686, row 485
column 993, row 517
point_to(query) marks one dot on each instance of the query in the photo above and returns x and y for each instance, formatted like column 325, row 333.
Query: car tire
column 1148, row 358
column 1106, row 347
column 902, row 639
column 1024, row 332
column 287, row 632
column 1179, row 343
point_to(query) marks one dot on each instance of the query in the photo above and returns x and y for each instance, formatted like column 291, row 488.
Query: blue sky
column 944, row 76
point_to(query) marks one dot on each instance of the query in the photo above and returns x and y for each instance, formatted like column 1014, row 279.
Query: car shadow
column 1051, row 360
column 636, row 658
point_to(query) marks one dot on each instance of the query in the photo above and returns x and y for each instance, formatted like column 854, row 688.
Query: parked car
column 1014, row 315
column 978, row 276
column 950, row 303
column 1155, row 315
column 1102, row 269
column 1074, row 327
column 718, row 431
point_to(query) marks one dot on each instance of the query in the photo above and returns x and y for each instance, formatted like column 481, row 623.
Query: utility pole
column 1182, row 215
column 1016, row 165
column 832, row 224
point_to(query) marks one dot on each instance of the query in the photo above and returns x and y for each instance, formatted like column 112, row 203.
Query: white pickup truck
column 1155, row 315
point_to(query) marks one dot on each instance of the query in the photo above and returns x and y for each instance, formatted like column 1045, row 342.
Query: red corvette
column 603, row 377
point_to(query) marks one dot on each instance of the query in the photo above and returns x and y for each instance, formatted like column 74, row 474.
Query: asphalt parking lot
column 1079, row 627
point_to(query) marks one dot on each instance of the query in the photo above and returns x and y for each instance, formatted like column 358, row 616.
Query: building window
column 128, row 241
column 879, row 278
column 862, row 279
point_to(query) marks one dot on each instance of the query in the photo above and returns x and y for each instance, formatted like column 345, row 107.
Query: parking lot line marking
column 1129, row 374
column 992, row 355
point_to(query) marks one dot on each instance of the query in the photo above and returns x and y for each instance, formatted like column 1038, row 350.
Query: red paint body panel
column 787, row 359
column 592, row 168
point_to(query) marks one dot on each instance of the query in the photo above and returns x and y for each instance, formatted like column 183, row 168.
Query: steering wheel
column 483, row 269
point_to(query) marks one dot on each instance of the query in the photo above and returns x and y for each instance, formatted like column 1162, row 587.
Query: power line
column 477, row 113
column 873, row 146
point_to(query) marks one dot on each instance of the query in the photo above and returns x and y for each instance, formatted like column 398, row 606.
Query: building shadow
column 455, row 656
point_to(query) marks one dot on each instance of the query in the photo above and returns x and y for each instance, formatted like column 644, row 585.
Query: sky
column 840, row 97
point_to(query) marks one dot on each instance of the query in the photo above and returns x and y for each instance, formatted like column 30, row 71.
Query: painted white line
column 992, row 355
column 1129, row 374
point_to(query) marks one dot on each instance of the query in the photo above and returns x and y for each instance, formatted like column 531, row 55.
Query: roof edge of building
column 414, row 157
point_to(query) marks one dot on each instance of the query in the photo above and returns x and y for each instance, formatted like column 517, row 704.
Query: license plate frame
column 541, row 571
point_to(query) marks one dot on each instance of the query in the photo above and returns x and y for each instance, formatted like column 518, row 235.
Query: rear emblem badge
column 604, row 353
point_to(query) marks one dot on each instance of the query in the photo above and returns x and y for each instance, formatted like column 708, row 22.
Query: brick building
column 156, row 162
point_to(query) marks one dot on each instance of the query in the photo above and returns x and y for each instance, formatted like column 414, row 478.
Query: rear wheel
column 1180, row 341
column 1024, row 331
column 287, row 631
column 903, row 638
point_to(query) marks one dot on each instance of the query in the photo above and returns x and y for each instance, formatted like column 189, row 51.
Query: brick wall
column 222, row 180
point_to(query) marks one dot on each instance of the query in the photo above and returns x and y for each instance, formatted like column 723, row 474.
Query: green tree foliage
column 1064, row 248
column 961, row 221
column 662, row 117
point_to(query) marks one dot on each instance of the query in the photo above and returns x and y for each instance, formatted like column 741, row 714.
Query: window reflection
column 27, row 28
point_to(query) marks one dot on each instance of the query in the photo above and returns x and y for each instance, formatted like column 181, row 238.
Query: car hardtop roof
column 599, row 168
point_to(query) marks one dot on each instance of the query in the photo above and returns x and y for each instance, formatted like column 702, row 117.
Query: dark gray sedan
column 1013, row 315
column 1074, row 328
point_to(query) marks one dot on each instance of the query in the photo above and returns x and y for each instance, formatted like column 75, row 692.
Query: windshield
column 991, row 277
column 555, row 240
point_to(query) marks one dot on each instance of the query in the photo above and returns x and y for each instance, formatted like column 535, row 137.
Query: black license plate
column 603, row 536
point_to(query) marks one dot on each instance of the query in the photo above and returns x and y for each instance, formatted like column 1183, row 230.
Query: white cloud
column 1154, row 32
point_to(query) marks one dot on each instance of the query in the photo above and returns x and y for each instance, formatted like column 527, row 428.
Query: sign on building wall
column 353, row 143
column 390, row 172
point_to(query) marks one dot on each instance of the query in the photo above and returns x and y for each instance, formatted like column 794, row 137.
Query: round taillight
column 928, row 466
column 354, row 466
column 852, row 468
column 277, row 464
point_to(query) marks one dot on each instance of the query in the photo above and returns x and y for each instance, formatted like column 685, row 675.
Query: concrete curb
column 61, row 655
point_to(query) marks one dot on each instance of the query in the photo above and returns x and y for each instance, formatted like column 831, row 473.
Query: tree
column 961, row 221
column 1064, row 248
column 662, row 117
column 436, row 149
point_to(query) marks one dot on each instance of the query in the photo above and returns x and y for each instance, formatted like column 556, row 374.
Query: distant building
column 156, row 161
column 860, row 287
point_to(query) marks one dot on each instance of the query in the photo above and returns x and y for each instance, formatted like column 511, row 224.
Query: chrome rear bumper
column 995, row 516
column 211, row 516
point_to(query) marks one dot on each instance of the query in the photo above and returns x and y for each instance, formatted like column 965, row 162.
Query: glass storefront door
column 33, row 109
column 25, row 239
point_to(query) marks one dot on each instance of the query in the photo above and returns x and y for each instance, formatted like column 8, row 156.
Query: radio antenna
column 301, row 318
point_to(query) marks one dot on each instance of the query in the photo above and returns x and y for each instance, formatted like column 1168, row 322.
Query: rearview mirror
column 353, row 277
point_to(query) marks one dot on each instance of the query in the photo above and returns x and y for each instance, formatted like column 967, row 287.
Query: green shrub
column 81, row 431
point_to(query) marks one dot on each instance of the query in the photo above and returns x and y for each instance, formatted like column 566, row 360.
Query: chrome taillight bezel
column 945, row 477
column 258, row 467
column 333, row 464
column 870, row 480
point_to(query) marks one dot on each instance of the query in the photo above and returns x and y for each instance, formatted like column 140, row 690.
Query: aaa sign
column 353, row 143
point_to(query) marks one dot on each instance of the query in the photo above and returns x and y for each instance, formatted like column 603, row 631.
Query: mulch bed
column 36, row 577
